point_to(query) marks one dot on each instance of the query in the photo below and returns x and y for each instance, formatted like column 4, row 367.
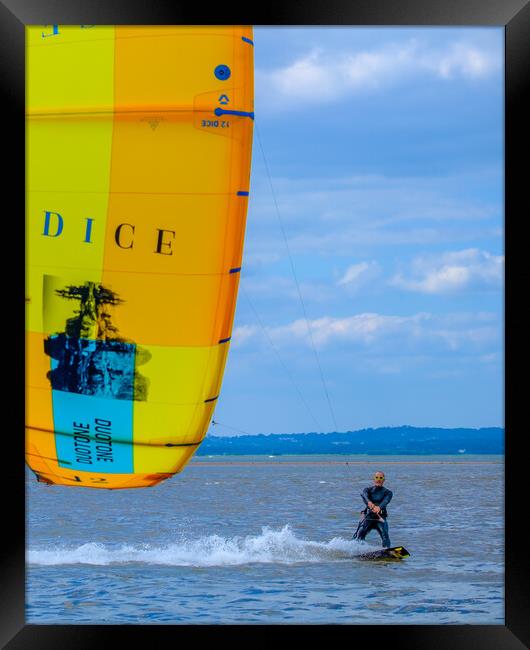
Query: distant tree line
column 385, row 440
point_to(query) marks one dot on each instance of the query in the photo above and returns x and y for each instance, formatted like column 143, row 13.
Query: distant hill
column 385, row 440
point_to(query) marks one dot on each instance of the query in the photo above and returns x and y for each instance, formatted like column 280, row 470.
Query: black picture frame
column 514, row 15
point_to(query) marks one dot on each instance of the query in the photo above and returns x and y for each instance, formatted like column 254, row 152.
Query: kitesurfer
column 376, row 498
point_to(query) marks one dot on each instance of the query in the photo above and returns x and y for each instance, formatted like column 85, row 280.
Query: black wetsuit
column 379, row 496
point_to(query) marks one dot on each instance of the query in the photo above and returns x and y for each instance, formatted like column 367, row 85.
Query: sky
column 371, row 290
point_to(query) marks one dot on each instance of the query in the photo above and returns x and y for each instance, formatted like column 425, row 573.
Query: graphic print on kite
column 90, row 357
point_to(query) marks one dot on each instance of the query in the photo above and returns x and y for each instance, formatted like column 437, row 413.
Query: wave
column 271, row 546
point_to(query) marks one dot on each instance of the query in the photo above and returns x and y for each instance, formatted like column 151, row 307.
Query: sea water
column 242, row 540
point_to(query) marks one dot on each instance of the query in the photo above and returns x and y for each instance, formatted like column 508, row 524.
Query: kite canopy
column 138, row 168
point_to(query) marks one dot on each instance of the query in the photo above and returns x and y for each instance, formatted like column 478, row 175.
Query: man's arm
column 386, row 499
column 365, row 495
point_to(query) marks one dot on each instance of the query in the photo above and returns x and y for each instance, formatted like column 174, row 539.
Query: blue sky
column 385, row 153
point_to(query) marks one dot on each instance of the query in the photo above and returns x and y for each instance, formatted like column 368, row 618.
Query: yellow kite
column 139, row 147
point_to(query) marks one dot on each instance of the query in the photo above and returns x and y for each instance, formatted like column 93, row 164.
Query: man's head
column 379, row 478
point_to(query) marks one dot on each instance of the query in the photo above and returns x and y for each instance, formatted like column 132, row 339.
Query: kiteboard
column 392, row 553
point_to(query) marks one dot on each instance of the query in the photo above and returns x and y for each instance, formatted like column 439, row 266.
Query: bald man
column 376, row 498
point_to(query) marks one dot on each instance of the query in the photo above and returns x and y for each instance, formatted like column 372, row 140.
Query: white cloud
column 307, row 78
column 361, row 327
column 463, row 60
column 477, row 336
column 332, row 216
column 243, row 333
column 322, row 76
column 419, row 331
column 492, row 357
column 358, row 274
column 269, row 286
column 452, row 271
column 373, row 68
column 253, row 260
column 344, row 241
column 285, row 287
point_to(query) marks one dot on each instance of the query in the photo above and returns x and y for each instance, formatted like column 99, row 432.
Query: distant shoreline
column 383, row 441
column 375, row 459
column 330, row 462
